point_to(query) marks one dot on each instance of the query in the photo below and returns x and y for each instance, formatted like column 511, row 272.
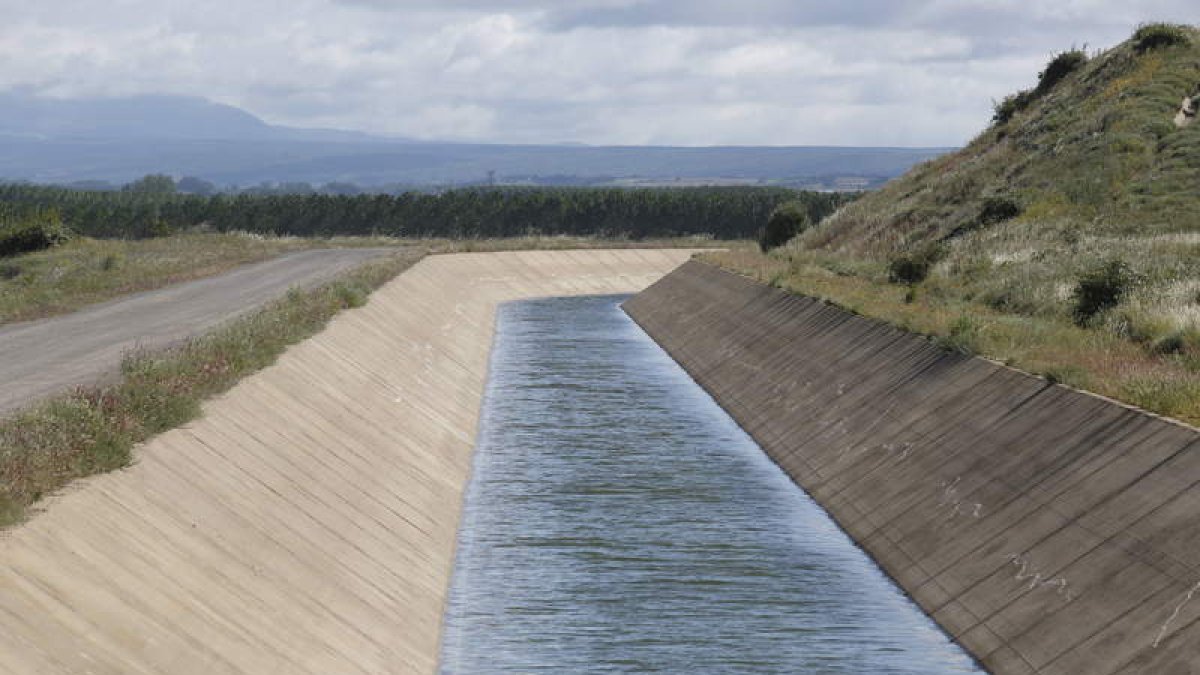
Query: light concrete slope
column 307, row 523
column 40, row 358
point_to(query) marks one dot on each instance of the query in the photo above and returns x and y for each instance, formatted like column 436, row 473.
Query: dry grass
column 93, row 429
column 1098, row 170
column 1095, row 359
column 1099, row 178
column 87, row 271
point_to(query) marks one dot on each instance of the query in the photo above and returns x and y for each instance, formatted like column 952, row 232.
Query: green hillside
column 1093, row 168
column 1073, row 218
column 1096, row 153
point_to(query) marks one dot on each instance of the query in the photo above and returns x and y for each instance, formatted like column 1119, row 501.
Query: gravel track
column 44, row 357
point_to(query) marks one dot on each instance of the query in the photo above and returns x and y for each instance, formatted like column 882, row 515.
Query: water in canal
column 619, row 521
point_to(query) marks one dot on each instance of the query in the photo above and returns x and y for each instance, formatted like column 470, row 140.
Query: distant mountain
column 150, row 117
column 141, row 117
column 117, row 140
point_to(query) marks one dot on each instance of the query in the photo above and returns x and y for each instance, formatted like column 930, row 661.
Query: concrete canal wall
column 1047, row 530
column 307, row 523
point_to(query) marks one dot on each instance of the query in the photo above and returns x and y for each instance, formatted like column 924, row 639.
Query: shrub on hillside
column 998, row 209
column 1062, row 65
column 1150, row 36
column 32, row 233
column 1059, row 67
column 1174, row 342
column 787, row 220
column 1005, row 109
column 912, row 267
column 1101, row 289
column 994, row 210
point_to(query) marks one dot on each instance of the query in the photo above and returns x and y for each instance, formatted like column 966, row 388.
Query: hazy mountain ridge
column 146, row 117
column 118, row 140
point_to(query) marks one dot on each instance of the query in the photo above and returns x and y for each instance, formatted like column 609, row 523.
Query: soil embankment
column 1047, row 530
column 306, row 524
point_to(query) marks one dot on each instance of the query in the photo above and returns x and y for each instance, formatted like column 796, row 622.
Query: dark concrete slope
column 40, row 358
column 1047, row 530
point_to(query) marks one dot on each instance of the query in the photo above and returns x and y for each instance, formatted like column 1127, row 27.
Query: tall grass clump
column 32, row 232
column 1060, row 66
column 1101, row 289
column 1151, row 36
column 962, row 335
column 786, row 221
column 94, row 429
column 1007, row 108
column 912, row 267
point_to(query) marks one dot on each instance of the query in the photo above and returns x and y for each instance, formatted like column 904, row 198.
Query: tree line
column 721, row 212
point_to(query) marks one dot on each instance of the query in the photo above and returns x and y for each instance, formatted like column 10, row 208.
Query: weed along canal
column 619, row 521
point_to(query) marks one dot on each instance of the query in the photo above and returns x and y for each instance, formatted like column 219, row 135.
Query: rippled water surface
column 619, row 521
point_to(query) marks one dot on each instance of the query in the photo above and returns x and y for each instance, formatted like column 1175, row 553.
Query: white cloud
column 693, row 72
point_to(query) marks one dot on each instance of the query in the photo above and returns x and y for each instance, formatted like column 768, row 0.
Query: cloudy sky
column 686, row 72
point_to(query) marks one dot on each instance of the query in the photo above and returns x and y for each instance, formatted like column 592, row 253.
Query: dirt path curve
column 40, row 358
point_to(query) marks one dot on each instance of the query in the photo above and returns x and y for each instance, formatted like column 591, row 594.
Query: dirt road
column 40, row 358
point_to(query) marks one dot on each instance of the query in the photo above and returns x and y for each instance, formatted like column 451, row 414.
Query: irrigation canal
column 619, row 521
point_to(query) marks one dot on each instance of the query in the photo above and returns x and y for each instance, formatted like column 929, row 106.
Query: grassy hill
column 1064, row 239
column 1092, row 151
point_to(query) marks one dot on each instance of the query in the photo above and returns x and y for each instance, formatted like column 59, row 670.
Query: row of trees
column 722, row 212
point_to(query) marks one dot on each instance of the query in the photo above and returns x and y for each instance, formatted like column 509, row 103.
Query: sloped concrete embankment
column 1047, row 530
column 306, row 524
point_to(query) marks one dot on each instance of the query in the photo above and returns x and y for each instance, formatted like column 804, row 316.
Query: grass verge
column 564, row 243
column 1160, row 380
column 91, row 430
column 86, row 271
column 94, row 429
